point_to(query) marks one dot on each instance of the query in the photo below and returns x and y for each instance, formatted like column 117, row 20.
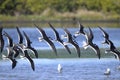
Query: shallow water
column 73, row 69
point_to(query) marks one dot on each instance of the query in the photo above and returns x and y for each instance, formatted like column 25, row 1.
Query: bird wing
column 20, row 37
column 50, row 43
column 105, row 34
column 34, row 51
column 28, row 42
column 1, row 39
column 10, row 40
column 30, row 60
column 55, row 32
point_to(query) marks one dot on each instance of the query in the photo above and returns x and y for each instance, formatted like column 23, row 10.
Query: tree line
column 24, row 7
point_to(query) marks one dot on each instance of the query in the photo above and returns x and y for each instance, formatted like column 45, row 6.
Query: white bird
column 107, row 72
column 59, row 68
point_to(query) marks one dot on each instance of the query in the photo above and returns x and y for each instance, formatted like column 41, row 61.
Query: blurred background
column 105, row 13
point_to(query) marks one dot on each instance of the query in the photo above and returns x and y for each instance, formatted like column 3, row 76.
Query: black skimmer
column 113, row 49
column 89, row 41
column 71, row 41
column 28, row 45
column 107, row 41
column 1, row 39
column 81, row 30
column 10, row 56
column 11, row 45
column 26, row 55
column 46, row 38
column 105, row 35
column 57, row 36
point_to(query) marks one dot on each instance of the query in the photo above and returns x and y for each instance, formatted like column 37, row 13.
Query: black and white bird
column 11, row 44
column 28, row 45
column 10, row 56
column 1, row 40
column 71, row 41
column 112, row 47
column 46, row 38
column 58, row 39
column 89, row 42
column 81, row 30
column 105, row 35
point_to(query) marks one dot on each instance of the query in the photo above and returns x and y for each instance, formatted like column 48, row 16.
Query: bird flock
column 21, row 49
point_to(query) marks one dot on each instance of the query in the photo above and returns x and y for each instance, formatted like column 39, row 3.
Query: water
column 73, row 69
column 34, row 34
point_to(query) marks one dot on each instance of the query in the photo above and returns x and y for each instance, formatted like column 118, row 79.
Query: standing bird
column 107, row 72
column 89, row 42
column 59, row 68
column 1, row 40
column 46, row 38
column 28, row 45
column 71, row 41
column 57, row 36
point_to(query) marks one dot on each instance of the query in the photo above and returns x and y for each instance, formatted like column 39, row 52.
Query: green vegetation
column 62, row 53
column 37, row 10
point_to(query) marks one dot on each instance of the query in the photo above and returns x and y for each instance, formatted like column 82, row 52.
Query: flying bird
column 89, row 42
column 58, row 39
column 10, row 56
column 81, row 30
column 71, row 41
column 105, row 35
column 28, row 45
column 46, row 38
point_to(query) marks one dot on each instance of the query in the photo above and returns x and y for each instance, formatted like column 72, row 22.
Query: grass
column 48, row 15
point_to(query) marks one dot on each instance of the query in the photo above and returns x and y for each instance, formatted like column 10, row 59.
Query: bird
column 1, row 40
column 107, row 72
column 112, row 47
column 46, row 38
column 89, row 42
column 71, row 41
column 105, row 35
column 58, row 39
column 81, row 30
column 59, row 68
column 28, row 45
column 11, row 44
column 10, row 56
column 26, row 55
